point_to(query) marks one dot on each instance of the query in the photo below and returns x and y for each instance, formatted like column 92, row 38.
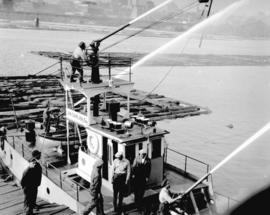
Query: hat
column 82, row 45
column 143, row 151
column 36, row 154
column 118, row 154
column 92, row 44
column 99, row 163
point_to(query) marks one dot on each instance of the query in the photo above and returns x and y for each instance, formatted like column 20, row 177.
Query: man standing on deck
column 141, row 171
column 120, row 178
column 3, row 136
column 47, row 118
column 94, row 57
column 78, row 56
column 95, row 190
column 30, row 182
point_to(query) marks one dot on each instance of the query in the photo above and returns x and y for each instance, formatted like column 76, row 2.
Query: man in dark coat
column 141, row 171
column 3, row 136
column 30, row 182
column 95, row 190
column 94, row 57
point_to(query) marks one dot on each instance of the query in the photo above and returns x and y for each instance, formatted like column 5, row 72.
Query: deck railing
column 69, row 185
column 73, row 188
column 224, row 203
column 187, row 164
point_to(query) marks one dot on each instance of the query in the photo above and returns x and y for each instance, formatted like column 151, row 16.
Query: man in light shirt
column 168, row 202
column 78, row 56
column 120, row 178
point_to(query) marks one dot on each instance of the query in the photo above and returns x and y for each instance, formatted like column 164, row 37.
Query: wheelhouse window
column 130, row 153
column 156, row 148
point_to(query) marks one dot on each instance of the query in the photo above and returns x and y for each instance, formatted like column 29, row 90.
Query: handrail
column 61, row 181
column 231, row 202
column 187, row 158
column 45, row 167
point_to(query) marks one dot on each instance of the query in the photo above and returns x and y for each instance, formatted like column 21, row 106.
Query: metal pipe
column 60, row 177
column 210, row 6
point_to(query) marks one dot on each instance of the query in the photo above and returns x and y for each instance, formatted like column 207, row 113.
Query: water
column 238, row 96
column 214, row 18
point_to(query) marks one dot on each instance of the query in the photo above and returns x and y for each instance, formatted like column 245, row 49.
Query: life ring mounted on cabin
column 92, row 143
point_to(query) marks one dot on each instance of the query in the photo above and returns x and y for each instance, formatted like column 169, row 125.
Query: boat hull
column 48, row 190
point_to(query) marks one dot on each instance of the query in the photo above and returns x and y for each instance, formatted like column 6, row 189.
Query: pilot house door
column 105, row 157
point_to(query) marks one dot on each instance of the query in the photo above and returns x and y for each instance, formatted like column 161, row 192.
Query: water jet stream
column 230, row 156
column 195, row 28
column 150, row 11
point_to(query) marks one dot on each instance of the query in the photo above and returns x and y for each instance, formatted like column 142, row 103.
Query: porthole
column 48, row 191
column 11, row 156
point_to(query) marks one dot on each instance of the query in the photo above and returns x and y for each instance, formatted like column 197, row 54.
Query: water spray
column 135, row 20
column 195, row 28
column 229, row 157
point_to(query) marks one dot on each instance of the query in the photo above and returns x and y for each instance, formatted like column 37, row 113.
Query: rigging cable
column 48, row 67
column 185, row 9
column 165, row 76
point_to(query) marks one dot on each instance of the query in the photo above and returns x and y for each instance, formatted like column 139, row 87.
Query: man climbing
column 78, row 56
column 30, row 182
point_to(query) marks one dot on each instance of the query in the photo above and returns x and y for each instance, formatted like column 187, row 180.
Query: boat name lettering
column 76, row 117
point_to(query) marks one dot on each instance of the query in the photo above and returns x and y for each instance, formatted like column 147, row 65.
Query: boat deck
column 78, row 189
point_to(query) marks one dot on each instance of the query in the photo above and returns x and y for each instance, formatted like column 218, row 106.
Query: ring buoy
column 92, row 143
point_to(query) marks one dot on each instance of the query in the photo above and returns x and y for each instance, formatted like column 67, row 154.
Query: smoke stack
column 113, row 107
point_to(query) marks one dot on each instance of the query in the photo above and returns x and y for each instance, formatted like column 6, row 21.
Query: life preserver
column 92, row 143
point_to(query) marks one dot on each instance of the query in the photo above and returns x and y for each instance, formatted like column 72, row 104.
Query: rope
column 164, row 77
column 39, row 72
column 46, row 68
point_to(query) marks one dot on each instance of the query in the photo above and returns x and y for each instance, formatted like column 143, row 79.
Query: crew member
column 168, row 201
column 30, row 182
column 3, row 136
column 95, row 190
column 47, row 119
column 94, row 58
column 120, row 179
column 141, row 171
column 78, row 56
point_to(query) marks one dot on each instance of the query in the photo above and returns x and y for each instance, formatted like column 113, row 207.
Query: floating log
column 30, row 95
